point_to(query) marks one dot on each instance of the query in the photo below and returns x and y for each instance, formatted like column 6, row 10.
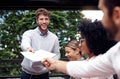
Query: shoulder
column 113, row 54
column 115, row 48
column 52, row 34
column 28, row 32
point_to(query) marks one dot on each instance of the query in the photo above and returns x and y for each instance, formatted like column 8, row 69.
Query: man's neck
column 117, row 37
column 44, row 32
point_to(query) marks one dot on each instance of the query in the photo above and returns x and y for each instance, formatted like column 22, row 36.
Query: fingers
column 30, row 50
column 46, row 63
column 49, row 63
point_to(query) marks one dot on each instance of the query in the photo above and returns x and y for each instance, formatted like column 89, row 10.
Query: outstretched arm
column 26, row 42
column 102, row 65
column 99, row 66
column 53, row 64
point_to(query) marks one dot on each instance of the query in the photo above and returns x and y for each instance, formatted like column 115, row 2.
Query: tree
column 73, row 17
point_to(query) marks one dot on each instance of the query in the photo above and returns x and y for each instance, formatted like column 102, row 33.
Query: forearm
column 61, row 66
column 25, row 47
column 87, row 68
column 25, row 43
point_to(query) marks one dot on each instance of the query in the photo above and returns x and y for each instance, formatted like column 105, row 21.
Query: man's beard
column 112, row 32
column 117, row 37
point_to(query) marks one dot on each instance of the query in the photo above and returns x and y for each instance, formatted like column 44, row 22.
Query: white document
column 37, row 55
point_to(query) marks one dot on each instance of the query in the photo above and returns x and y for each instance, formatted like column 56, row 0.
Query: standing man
column 106, row 64
column 35, row 39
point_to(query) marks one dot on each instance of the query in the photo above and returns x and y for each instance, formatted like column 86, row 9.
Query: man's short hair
column 42, row 11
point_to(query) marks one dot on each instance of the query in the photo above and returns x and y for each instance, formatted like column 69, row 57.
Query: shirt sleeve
column 100, row 66
column 26, row 41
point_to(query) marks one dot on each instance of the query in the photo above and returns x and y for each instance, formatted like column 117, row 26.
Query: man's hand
column 30, row 50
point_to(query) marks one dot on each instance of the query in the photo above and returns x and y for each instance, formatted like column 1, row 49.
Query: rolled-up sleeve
column 100, row 66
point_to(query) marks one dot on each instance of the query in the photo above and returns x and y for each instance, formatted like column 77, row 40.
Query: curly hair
column 96, row 37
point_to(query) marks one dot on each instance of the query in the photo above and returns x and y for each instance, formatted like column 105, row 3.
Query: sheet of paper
column 38, row 55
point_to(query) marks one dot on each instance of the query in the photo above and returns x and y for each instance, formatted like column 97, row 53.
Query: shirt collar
column 41, row 32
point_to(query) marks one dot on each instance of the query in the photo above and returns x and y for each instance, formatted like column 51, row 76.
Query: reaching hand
column 50, row 63
column 53, row 64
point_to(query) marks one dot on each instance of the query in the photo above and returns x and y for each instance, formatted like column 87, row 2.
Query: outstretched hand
column 50, row 63
column 53, row 64
column 30, row 50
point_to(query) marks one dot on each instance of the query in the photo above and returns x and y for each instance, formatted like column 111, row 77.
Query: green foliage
column 16, row 22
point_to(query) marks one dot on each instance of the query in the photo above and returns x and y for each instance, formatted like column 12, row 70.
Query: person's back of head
column 96, row 37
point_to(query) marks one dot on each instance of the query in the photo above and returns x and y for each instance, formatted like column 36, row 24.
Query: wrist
column 56, row 64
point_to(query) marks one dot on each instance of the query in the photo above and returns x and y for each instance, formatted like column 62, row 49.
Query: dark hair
column 111, row 4
column 42, row 11
column 96, row 37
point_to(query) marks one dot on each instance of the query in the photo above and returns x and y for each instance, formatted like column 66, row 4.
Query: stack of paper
column 37, row 55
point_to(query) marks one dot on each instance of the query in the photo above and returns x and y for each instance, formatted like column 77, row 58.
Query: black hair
column 110, row 5
column 95, row 36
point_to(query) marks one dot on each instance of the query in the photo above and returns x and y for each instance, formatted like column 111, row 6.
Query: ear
column 116, row 16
